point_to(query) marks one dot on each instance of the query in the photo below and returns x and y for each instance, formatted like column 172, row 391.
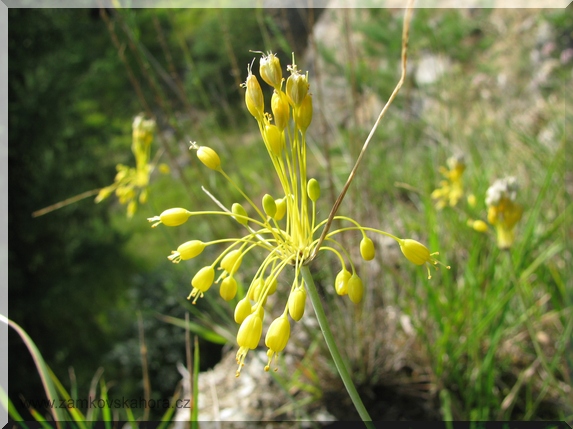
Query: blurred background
column 489, row 339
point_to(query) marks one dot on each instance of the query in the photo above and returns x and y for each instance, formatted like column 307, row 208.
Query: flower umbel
column 451, row 189
column 130, row 184
column 502, row 210
column 283, row 225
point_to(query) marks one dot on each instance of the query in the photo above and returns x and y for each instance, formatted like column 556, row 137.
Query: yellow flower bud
column 280, row 109
column 278, row 334
column 272, row 284
column 164, row 168
column 296, row 87
column 242, row 310
column 277, row 337
column 270, row 70
column 171, row 217
column 281, row 208
column 419, row 254
column 187, row 250
column 341, row 282
column 313, row 189
column 269, row 205
column 472, row 201
column 209, row 157
column 296, row 303
column 131, row 208
column 478, row 225
column 367, row 249
column 104, row 193
column 257, row 291
column 249, row 336
column 203, row 279
column 303, row 114
column 250, row 331
column 415, row 251
column 274, row 139
column 355, row 289
column 254, row 96
column 239, row 210
column 228, row 288
column 232, row 261
column 143, row 196
column 252, row 289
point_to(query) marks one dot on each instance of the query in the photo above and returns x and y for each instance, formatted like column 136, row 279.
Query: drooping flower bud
column 478, row 225
column 419, row 254
column 277, row 337
column 313, row 189
column 355, row 289
column 258, row 291
column 367, row 249
column 296, row 303
column 242, row 310
column 249, row 336
column 209, row 157
column 201, row 282
column 187, row 250
column 250, row 331
column 415, row 251
column 232, row 261
column 272, row 284
column 204, row 278
column 171, row 217
column 269, row 206
column 341, row 282
column 239, row 210
column 228, row 288
column 270, row 70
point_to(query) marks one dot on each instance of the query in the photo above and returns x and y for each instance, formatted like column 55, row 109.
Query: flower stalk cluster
column 285, row 225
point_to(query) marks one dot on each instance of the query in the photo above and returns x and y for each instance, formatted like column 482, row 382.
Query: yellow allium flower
column 503, row 212
column 130, row 184
column 285, row 228
column 451, row 189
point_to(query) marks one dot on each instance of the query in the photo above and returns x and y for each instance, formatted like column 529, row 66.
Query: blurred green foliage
column 66, row 268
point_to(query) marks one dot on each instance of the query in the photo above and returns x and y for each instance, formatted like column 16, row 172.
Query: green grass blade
column 166, row 418
column 197, row 329
column 42, row 368
column 195, row 412
column 9, row 406
column 106, row 410
column 75, row 413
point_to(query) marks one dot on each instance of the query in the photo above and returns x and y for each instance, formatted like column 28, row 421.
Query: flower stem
column 331, row 344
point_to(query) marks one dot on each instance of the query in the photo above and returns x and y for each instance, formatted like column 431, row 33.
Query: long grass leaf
column 195, row 412
column 106, row 411
column 75, row 413
column 42, row 368
column 9, row 406
column 197, row 329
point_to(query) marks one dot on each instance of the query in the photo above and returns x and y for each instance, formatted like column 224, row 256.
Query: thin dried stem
column 65, row 202
column 338, row 202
